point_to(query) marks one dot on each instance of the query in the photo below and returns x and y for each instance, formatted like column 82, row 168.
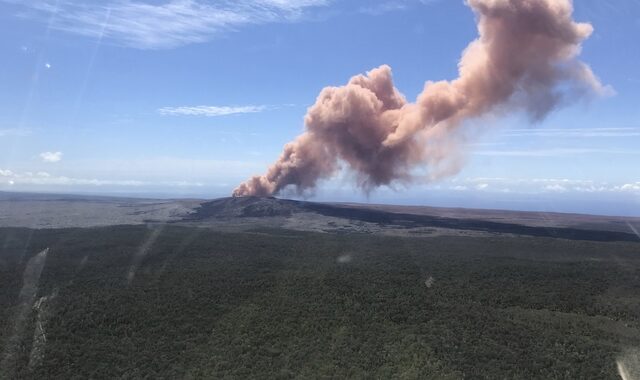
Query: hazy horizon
column 514, row 202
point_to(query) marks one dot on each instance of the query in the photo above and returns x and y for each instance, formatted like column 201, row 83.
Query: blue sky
column 189, row 98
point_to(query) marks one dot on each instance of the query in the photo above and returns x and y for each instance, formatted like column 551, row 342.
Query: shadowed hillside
column 269, row 207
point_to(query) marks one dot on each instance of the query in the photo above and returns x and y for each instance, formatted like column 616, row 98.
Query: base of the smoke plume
column 257, row 191
column 442, row 153
column 446, row 153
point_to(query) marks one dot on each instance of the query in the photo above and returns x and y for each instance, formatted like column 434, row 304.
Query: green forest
column 163, row 301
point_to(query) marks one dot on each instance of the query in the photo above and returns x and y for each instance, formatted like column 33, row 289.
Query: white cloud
column 546, row 185
column 51, row 156
column 172, row 23
column 632, row 187
column 555, row 187
column 210, row 110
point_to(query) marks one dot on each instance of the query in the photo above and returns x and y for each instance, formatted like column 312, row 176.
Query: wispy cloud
column 573, row 132
column 43, row 178
column 555, row 152
column 51, row 156
column 20, row 132
column 209, row 110
column 146, row 25
column 391, row 6
column 384, row 7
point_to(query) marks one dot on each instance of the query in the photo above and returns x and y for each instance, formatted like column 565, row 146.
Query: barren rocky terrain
column 230, row 214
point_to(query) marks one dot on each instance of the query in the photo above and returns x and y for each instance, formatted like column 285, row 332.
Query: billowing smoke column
column 524, row 59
